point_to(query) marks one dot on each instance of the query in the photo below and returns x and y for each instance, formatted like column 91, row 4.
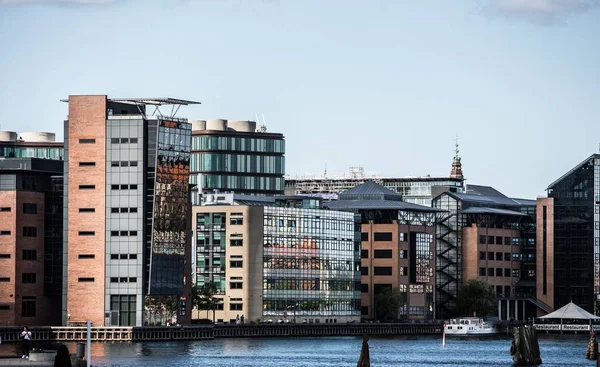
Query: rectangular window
column 114, row 279
column 124, row 140
column 87, row 210
column 482, row 255
column 515, row 241
column 236, row 221
column 236, row 242
column 133, row 233
column 124, row 164
column 114, row 141
column 516, row 256
column 132, row 256
column 29, row 278
column 124, row 187
column 382, row 270
column 133, row 210
column 123, row 233
column 29, row 208
column 114, row 210
column 30, row 255
column 87, row 141
column 235, row 264
column 499, row 256
column 382, row 236
column 490, row 240
column 114, row 256
column 364, row 288
column 364, row 270
column 114, row 187
column 498, row 240
column 382, row 254
column 114, row 164
column 515, row 273
column 133, row 140
column 482, row 239
column 403, row 237
column 364, row 236
column 235, row 306
column 4, row 280
column 87, row 256
column 364, row 310
column 29, row 232
column 4, row 307
column 114, row 233
column 132, row 280
column 506, row 241
column 123, row 210
column 491, row 272
column 87, row 164
column 498, row 272
column 490, row 256
column 507, row 272
column 507, row 256
column 4, row 256
column 481, row 272
column 87, row 233
column 4, row 233
column 28, row 307
column 86, row 280
column 235, row 285
column 133, row 164
column 364, row 254
column 5, row 209
column 403, row 254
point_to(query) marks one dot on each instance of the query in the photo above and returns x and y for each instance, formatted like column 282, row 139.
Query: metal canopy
column 162, row 101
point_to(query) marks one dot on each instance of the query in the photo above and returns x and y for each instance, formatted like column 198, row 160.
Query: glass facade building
column 244, row 162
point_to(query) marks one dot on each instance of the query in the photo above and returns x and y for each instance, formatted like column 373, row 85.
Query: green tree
column 196, row 299
column 388, row 303
column 477, row 296
column 207, row 300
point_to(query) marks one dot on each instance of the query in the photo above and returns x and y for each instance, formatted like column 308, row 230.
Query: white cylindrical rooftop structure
column 198, row 124
column 41, row 137
column 218, row 124
column 8, row 136
column 242, row 126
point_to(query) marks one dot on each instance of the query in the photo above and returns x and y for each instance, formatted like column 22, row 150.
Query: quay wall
column 202, row 332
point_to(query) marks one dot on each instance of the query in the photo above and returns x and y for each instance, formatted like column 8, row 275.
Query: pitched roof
column 571, row 311
column 484, row 210
column 574, row 169
column 378, row 204
column 369, row 191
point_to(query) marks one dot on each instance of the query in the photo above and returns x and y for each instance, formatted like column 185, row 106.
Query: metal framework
column 416, row 218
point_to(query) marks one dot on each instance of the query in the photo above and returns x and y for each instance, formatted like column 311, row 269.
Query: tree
column 477, row 296
column 196, row 299
column 388, row 303
column 207, row 300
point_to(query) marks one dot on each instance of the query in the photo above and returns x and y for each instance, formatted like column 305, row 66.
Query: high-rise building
column 126, row 223
column 283, row 259
column 30, row 241
column 30, row 145
column 236, row 157
column 397, row 250
column 568, row 236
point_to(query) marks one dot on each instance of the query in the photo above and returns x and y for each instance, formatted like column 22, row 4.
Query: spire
column 456, row 164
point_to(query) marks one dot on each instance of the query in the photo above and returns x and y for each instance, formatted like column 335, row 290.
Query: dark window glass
column 114, row 256
column 133, row 233
column 124, row 187
column 114, row 280
column 235, row 285
column 364, row 288
column 123, row 256
column 482, row 255
column 491, row 272
column 29, row 232
column 124, row 140
column 498, row 272
column 482, row 239
column 235, row 306
column 498, row 240
column 490, row 256
column 132, row 256
column 382, row 236
column 5, row 209
column 507, row 272
column 123, row 233
column 235, row 264
column 236, row 242
column 87, row 164
column 87, row 256
column 4, row 280
column 114, row 187
column 364, row 310
column 364, row 270
column 87, row 141
column 86, row 280
column 382, row 270
column 114, row 164
column 28, row 308
column 30, row 255
column 114, row 233
column 133, row 140
column 114, row 210
column 132, row 280
column 4, row 256
column 29, row 208
column 133, row 187
column 498, row 256
column 364, row 254
column 382, row 254
column 133, row 210
column 364, row 236
column 4, row 233
column 29, row 278
column 87, row 233
column 490, row 240
column 114, row 141
column 482, row 272
column 236, row 221
column 87, row 210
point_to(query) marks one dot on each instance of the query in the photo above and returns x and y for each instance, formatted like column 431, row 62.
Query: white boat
column 468, row 326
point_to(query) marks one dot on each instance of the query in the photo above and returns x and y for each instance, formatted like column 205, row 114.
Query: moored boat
column 466, row 326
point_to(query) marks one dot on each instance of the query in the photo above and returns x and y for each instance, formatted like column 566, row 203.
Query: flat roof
column 156, row 101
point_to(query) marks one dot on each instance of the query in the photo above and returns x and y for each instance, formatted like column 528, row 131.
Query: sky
column 383, row 84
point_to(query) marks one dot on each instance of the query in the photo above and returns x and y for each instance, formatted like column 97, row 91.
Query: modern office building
column 280, row 258
column 30, row 241
column 236, row 157
column 487, row 235
column 126, row 209
column 568, row 235
column 30, row 145
column 397, row 249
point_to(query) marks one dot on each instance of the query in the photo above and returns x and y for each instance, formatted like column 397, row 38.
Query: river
column 334, row 351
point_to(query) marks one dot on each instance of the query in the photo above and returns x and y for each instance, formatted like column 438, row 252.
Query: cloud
column 542, row 12
column 56, row 2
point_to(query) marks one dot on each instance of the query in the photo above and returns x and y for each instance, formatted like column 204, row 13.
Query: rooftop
column 157, row 101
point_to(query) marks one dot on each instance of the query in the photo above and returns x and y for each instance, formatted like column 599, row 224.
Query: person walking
column 26, row 336
column 62, row 358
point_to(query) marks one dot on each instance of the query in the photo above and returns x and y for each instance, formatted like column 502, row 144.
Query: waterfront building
column 236, row 157
column 568, row 235
column 30, row 241
column 486, row 235
column 30, row 145
column 397, row 249
column 278, row 258
column 126, row 215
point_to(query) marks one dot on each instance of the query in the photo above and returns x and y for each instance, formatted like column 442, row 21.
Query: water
column 335, row 351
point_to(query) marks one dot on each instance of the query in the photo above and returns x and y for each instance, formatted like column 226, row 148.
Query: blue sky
column 383, row 84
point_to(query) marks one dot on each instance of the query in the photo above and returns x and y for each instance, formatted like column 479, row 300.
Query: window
column 87, row 210
column 114, row 233
column 236, row 221
column 114, row 256
column 515, row 241
column 507, row 256
column 498, row 272
column 132, row 256
column 235, row 285
column 28, row 307
column 403, row 271
column 364, row 270
column 403, row 237
column 133, row 140
column 482, row 255
column 114, row 164
column 87, row 233
column 490, row 256
column 4, row 256
column 30, row 255
column 403, row 254
column 516, row 256
column 382, row 270
column 133, row 233
column 29, row 232
column 364, row 254
column 4, row 233
column 382, row 254
column 5, row 209
column 364, row 288
column 87, row 256
column 87, row 141
column 490, row 240
column 87, row 164
column 498, row 240
column 482, row 240
column 124, row 140
column 507, row 272
column 132, row 280
column 235, row 264
column 114, row 187
column 86, row 280
column 29, row 208
column 364, row 310
column 506, row 241
column 132, row 187
column 4, row 280
column 491, row 272
column 481, row 272
column 123, row 233
column 235, row 306
column 364, row 236
column 114, row 280
column 29, row 278
column 133, row 210
column 499, row 256
column 4, row 307
column 382, row 236
column 515, row 273
column 114, row 141
column 236, row 242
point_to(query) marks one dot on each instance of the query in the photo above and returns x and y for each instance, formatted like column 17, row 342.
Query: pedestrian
column 26, row 336
column 242, row 319
column 62, row 358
